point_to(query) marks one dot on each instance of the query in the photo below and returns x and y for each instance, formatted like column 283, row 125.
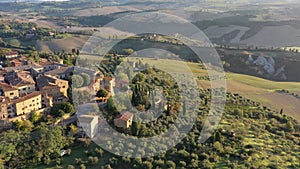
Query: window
column 11, row 94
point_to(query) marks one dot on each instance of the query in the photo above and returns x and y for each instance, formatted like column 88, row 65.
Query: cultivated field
column 105, row 10
column 277, row 36
column 66, row 44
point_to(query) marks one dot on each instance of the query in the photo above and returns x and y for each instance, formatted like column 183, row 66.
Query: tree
column 217, row 136
column 77, row 52
column 100, row 152
column 147, row 165
column 290, row 126
column 68, row 107
column 34, row 117
column 219, row 147
column 135, row 126
column 238, row 112
column 73, row 51
column 6, row 27
column 82, row 166
column 128, row 51
column 206, row 164
column 77, row 81
column 171, row 164
column 9, row 142
column 140, row 96
column 50, row 141
column 61, row 109
column 24, row 125
column 73, row 129
column 23, row 149
column 102, row 93
column 14, row 43
column 281, row 111
column 182, row 164
column 71, row 167
column 93, row 160
column 27, row 125
column 86, row 79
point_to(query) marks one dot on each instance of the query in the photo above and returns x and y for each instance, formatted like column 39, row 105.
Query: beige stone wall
column 63, row 86
column 55, row 92
column 27, row 116
column 122, row 123
column 47, row 100
column 28, row 106
column 26, row 89
column 3, row 111
column 12, row 94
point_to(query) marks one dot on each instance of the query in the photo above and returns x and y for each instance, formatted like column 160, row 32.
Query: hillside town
column 28, row 87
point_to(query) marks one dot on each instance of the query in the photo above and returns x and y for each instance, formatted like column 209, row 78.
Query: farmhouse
column 124, row 120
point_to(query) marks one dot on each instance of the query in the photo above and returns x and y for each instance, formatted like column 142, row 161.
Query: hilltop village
column 30, row 88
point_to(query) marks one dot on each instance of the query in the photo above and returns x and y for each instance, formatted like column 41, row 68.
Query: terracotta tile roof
column 47, row 63
column 27, row 97
column 19, row 78
column 125, row 116
column 11, row 53
column 22, row 67
column 108, row 78
column 17, row 68
column 16, row 61
column 43, row 81
column 4, row 100
column 3, row 72
column 7, row 87
column 60, row 71
column 23, row 57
